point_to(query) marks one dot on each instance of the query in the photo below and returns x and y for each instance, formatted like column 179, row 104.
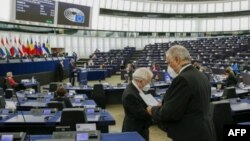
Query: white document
column 149, row 99
column 86, row 127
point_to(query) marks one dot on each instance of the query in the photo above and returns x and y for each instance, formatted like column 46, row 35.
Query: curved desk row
column 128, row 136
column 46, row 122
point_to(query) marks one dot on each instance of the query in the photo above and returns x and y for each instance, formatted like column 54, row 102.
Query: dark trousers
column 145, row 134
column 72, row 79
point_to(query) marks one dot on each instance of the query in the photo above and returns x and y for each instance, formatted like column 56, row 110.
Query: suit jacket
column 136, row 115
column 185, row 111
column 71, row 69
column 59, row 72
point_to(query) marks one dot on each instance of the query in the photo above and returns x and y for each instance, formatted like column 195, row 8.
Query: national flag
column 19, row 46
column 45, row 49
column 20, row 52
column 13, row 50
column 31, row 48
column 26, row 48
column 40, row 51
column 6, row 41
column 7, row 52
column 19, row 41
column 2, row 41
column 48, row 46
column 2, row 48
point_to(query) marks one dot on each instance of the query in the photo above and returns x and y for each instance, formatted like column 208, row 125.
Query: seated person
column 235, row 68
column 155, row 67
column 10, row 80
column 61, row 95
column 231, row 79
column 157, row 77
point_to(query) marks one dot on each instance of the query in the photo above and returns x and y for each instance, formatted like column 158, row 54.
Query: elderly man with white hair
column 184, row 113
column 136, row 116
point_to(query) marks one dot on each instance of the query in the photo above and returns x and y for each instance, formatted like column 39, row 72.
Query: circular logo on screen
column 74, row 15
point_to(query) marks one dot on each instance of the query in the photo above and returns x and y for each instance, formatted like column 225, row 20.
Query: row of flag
column 8, row 49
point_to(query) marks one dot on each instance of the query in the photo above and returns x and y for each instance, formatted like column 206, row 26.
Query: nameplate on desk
column 86, row 127
column 46, row 111
column 93, row 117
column 7, row 137
column 20, row 136
column 89, row 106
column 26, row 60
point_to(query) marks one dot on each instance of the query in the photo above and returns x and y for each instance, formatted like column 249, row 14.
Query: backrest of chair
column 1, row 91
column 56, row 104
column 98, row 96
column 6, row 84
column 72, row 116
column 9, row 93
column 2, row 102
column 229, row 92
column 53, row 87
column 98, row 89
column 222, row 115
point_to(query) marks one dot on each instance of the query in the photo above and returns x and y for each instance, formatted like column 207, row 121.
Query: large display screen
column 36, row 10
column 72, row 14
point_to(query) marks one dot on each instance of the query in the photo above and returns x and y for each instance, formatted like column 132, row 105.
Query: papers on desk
column 86, row 127
column 149, row 99
column 89, row 106
column 93, row 117
column 10, row 105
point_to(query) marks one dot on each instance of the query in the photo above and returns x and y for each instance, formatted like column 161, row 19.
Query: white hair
column 9, row 74
column 180, row 52
column 142, row 74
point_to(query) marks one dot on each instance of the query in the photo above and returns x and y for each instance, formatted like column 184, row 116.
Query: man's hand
column 149, row 109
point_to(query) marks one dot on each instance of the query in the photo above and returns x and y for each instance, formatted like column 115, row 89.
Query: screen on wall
column 35, row 10
column 74, row 15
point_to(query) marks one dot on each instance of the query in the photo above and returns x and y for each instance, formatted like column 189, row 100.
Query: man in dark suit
column 72, row 69
column 136, row 116
column 59, row 72
column 185, row 113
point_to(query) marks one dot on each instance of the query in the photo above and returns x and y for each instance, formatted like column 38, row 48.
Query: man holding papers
column 136, row 116
column 184, row 113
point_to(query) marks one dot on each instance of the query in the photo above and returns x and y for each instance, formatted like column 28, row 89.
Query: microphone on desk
column 24, row 120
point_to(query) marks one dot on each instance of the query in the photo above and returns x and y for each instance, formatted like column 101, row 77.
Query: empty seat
column 222, row 115
column 98, row 96
column 72, row 116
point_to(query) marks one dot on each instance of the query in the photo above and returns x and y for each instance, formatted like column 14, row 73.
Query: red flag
column 12, row 51
column 24, row 49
